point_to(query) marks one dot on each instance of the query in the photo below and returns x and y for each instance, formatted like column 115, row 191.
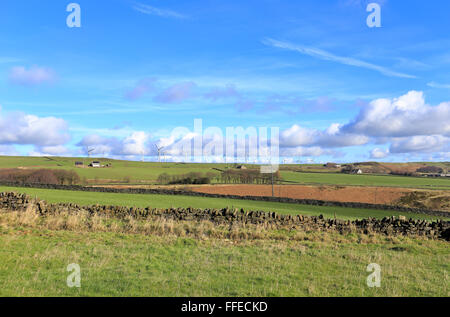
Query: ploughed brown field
column 372, row 195
column 408, row 197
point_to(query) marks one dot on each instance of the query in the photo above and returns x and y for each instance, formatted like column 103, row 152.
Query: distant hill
column 401, row 168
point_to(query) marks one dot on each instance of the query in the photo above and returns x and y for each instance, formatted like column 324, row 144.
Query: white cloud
column 324, row 55
column 8, row 150
column 330, row 138
column 335, row 137
column 59, row 150
column 20, row 128
column 407, row 123
column 421, row 144
column 378, row 153
column 297, row 136
column 294, row 142
column 55, row 150
column 407, row 115
column 136, row 144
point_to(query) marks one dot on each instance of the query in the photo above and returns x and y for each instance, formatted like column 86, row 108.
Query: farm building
column 95, row 164
column 241, row 167
column 350, row 169
column 437, row 175
column 332, row 165
column 79, row 164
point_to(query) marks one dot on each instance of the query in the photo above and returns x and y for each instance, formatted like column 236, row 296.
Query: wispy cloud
column 146, row 9
column 361, row 3
column 31, row 77
column 221, row 93
column 437, row 85
column 7, row 60
column 142, row 87
column 176, row 93
column 324, row 55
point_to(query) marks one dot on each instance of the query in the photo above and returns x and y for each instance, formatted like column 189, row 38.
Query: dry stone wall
column 389, row 226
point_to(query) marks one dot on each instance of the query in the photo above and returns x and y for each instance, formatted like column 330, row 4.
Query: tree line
column 39, row 176
column 251, row 176
column 229, row 176
column 189, row 178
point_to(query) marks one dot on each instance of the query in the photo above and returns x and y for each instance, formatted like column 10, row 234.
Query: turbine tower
column 159, row 149
column 89, row 151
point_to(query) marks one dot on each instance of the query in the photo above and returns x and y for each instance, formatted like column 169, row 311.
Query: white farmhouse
column 95, row 164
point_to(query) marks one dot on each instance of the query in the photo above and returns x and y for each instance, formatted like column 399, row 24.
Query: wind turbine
column 89, row 151
column 159, row 149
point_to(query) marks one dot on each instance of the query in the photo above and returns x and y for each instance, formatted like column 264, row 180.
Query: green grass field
column 167, row 201
column 34, row 261
column 146, row 172
column 367, row 180
column 136, row 171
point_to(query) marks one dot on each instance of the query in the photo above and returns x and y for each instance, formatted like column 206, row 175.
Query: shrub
column 127, row 179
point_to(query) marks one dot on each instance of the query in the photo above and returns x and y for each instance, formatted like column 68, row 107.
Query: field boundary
column 313, row 202
column 234, row 218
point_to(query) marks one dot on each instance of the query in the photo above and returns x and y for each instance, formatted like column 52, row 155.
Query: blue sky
column 337, row 89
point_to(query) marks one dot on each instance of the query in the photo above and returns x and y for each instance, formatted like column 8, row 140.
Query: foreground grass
column 34, row 261
column 167, row 201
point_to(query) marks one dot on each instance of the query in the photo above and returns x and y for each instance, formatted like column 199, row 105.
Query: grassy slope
column 165, row 201
column 33, row 263
column 367, row 180
column 148, row 172
column 137, row 171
